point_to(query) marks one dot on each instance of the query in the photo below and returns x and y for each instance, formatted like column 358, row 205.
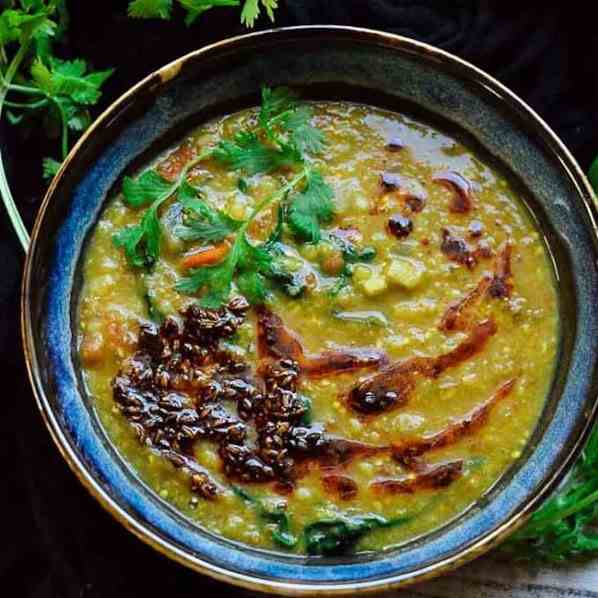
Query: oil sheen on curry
column 318, row 327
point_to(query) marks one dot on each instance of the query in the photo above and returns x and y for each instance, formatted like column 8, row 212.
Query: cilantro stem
column 27, row 106
column 531, row 530
column 64, row 126
column 274, row 196
column 5, row 192
column 31, row 91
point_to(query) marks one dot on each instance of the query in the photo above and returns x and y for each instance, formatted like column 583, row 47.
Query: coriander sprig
column 141, row 242
column 20, row 27
column 162, row 9
column 282, row 138
column 248, row 264
column 564, row 527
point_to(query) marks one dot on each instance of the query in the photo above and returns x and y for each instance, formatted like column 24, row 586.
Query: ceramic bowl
column 334, row 63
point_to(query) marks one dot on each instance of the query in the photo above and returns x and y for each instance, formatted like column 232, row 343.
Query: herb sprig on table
column 36, row 85
column 563, row 529
column 163, row 9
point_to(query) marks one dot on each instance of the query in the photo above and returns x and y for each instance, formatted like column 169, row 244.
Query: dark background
column 55, row 540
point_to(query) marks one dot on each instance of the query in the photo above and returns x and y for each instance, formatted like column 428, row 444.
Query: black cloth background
column 55, row 540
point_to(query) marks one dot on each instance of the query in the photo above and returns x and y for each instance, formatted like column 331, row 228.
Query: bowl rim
column 162, row 76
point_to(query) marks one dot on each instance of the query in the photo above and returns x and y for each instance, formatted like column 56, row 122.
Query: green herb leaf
column 142, row 242
column 282, row 534
column 50, row 168
column 216, row 279
column 69, row 78
column 249, row 261
column 149, row 187
column 274, row 103
column 130, row 239
column 16, row 24
column 252, row 285
column 248, row 154
column 252, row 9
column 563, row 528
column 303, row 135
column 150, row 9
column 195, row 8
column 254, row 257
column 311, row 208
column 339, row 536
column 209, row 225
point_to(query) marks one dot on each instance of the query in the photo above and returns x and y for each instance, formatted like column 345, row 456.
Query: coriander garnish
column 249, row 263
column 141, row 242
column 281, row 139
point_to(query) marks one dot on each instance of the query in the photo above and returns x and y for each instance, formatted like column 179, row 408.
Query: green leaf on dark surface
column 69, row 78
column 195, row 8
column 252, row 9
column 311, row 208
column 150, row 9
column 50, row 168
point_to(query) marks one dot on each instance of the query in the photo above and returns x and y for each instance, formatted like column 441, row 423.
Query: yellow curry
column 318, row 328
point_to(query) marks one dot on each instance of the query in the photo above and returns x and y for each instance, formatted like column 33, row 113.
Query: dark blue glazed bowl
column 331, row 62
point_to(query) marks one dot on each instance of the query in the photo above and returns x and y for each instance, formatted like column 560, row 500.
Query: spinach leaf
column 282, row 535
column 337, row 536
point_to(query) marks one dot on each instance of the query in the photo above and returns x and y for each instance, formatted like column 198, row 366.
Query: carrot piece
column 206, row 256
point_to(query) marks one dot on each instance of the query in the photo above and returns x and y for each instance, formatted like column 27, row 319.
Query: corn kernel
column 404, row 273
column 374, row 285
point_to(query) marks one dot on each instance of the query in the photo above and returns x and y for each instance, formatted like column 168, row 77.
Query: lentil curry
column 318, row 327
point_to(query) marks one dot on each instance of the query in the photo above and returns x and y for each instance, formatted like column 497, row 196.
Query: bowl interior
column 331, row 63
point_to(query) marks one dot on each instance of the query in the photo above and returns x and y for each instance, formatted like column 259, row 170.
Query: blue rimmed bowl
column 336, row 63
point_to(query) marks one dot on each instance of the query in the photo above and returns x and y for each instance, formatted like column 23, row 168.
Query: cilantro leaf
column 252, row 9
column 304, row 136
column 217, row 279
column 150, row 9
column 141, row 242
column 195, row 8
column 253, row 286
column 311, row 208
column 208, row 232
column 149, row 187
column 247, row 153
column 50, row 167
column 274, row 102
column 248, row 262
column 16, row 24
column 69, row 78
column 209, row 225
column 129, row 239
